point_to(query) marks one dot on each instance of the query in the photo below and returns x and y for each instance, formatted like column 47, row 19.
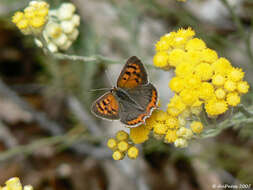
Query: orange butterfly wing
column 133, row 74
column 106, row 107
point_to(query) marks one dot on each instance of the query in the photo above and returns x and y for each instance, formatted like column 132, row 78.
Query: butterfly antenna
column 109, row 77
column 99, row 89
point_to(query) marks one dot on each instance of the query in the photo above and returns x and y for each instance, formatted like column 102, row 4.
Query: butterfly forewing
column 133, row 74
column 106, row 107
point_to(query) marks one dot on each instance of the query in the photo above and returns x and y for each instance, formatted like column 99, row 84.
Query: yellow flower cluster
column 33, row 19
column 15, row 184
column 165, row 127
column 121, row 145
column 201, row 77
column 60, row 32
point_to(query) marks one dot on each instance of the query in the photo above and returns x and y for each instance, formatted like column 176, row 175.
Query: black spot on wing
column 100, row 107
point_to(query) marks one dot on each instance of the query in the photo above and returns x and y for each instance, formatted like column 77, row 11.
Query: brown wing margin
column 132, row 74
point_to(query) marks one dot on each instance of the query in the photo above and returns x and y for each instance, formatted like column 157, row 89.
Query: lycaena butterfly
column 134, row 98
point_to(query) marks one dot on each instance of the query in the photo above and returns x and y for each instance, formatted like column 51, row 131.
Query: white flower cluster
column 61, row 29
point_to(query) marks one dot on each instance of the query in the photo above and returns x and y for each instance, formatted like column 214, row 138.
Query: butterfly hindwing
column 106, row 107
column 146, row 97
column 133, row 74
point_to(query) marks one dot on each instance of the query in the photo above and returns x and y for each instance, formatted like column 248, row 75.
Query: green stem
column 31, row 147
column 94, row 58
column 237, row 119
column 244, row 111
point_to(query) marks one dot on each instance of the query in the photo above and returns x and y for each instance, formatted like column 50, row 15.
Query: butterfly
column 132, row 100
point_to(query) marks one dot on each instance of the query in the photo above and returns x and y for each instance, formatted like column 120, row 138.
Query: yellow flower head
column 172, row 122
column 193, row 57
column 139, row 134
column 196, row 110
column 122, row 135
column 184, row 69
column 220, row 93
column 189, row 97
column 243, row 87
column 195, row 44
column 216, row 107
column 160, row 128
column 186, row 33
column 204, row 71
column 233, row 99
column 176, row 106
column 161, row 116
column 117, row 155
column 192, row 81
column 177, row 84
column 42, row 12
column 29, row 12
column 33, row 19
column 164, row 44
column 23, row 24
column 18, row 16
column 208, row 56
column 176, row 57
column 133, row 152
column 222, row 66
column 196, row 126
column 112, row 143
column 230, row 85
column 37, row 22
column 236, row 74
column 182, row 36
column 218, row 80
column 179, row 41
column 123, row 146
column 161, row 59
column 171, row 136
column 173, row 110
column 206, row 91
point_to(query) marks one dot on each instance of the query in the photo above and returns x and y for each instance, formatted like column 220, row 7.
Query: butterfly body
column 134, row 98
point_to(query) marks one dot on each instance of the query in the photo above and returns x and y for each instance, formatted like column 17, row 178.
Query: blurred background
column 48, row 136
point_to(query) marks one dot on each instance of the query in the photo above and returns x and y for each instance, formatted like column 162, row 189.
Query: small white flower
column 72, row 36
column 52, row 47
column 68, row 6
column 181, row 143
column 76, row 20
column 33, row 3
column 65, row 12
column 188, row 134
column 61, row 40
column 28, row 187
column 67, row 26
column 66, row 45
column 53, row 30
column 184, row 132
